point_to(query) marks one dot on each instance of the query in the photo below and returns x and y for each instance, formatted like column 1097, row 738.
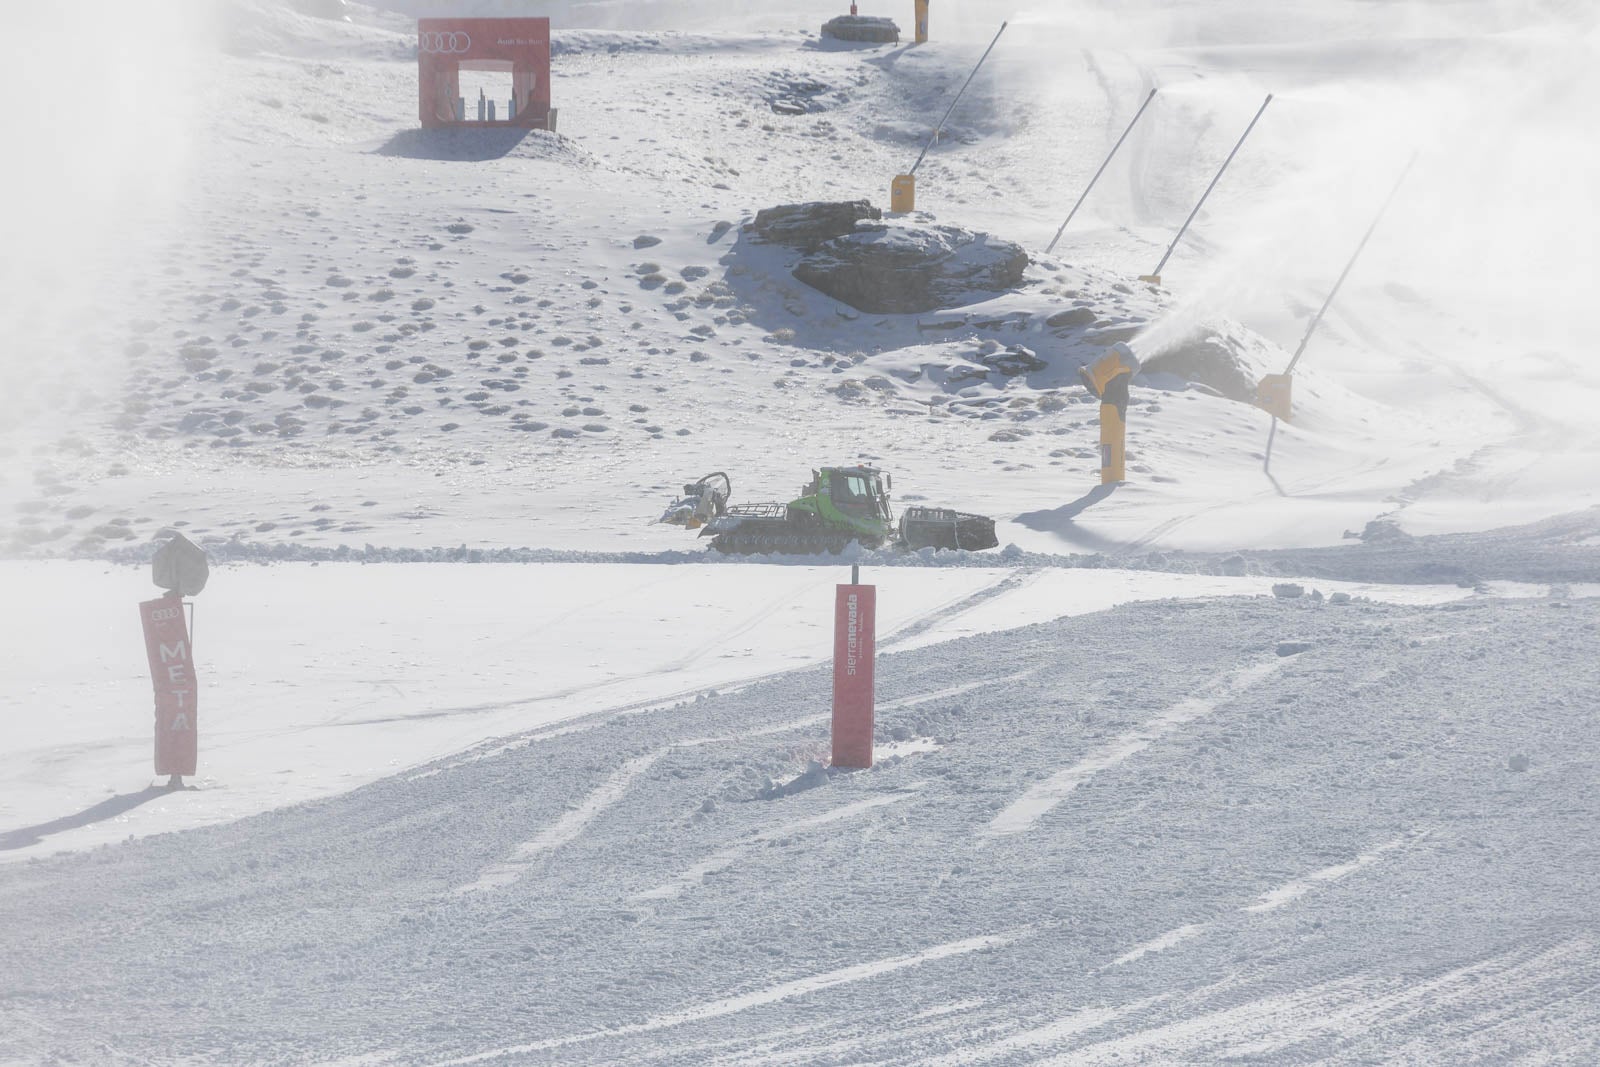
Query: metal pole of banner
column 176, row 781
column 1102, row 170
column 855, row 574
column 1155, row 275
column 957, row 100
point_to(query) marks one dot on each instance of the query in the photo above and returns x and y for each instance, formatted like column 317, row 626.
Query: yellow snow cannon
column 1108, row 378
column 1273, row 395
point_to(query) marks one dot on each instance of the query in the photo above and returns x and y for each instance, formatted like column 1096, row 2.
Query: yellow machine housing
column 1273, row 395
column 903, row 193
column 1108, row 378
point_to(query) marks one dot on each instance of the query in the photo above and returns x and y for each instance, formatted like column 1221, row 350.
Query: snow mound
column 1221, row 355
column 963, row 343
column 481, row 145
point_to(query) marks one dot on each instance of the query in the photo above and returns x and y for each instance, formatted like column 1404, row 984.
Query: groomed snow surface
column 1214, row 767
column 1184, row 831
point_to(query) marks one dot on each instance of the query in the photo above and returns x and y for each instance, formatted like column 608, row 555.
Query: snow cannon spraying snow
column 1108, row 378
column 1274, row 393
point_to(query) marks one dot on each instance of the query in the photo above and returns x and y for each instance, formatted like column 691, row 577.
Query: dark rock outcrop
column 1012, row 361
column 809, row 225
column 1078, row 316
column 861, row 28
column 911, row 269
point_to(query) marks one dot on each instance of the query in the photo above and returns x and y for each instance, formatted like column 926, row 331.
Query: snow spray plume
column 1103, row 165
column 959, row 94
column 1499, row 229
column 1317, row 318
column 101, row 123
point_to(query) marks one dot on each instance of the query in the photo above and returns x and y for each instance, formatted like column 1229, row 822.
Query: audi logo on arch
column 441, row 42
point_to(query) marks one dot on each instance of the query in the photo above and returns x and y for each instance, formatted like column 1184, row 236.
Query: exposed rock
column 1080, row 316
column 911, row 269
column 1288, row 590
column 1384, row 530
column 809, row 225
column 1013, row 361
column 861, row 28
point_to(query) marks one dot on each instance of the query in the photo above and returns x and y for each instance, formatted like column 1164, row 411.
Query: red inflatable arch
column 446, row 47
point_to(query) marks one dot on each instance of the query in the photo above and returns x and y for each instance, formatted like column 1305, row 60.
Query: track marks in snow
column 1021, row 814
column 1290, row 891
column 759, row 998
column 914, row 633
column 728, row 856
column 1277, row 897
column 1039, row 1037
column 1474, row 998
column 1160, row 944
column 665, row 701
column 952, row 691
column 1171, row 1036
column 570, row 825
column 498, row 747
column 566, row 828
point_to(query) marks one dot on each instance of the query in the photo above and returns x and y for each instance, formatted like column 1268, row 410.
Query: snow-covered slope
column 470, row 333
column 555, row 795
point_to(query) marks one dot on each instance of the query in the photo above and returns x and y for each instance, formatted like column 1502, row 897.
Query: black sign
column 180, row 567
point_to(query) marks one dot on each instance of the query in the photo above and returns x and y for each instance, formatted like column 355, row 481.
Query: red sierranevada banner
column 166, row 642
column 854, row 623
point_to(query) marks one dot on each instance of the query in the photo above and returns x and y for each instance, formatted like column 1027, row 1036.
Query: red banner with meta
column 166, row 642
column 854, row 622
